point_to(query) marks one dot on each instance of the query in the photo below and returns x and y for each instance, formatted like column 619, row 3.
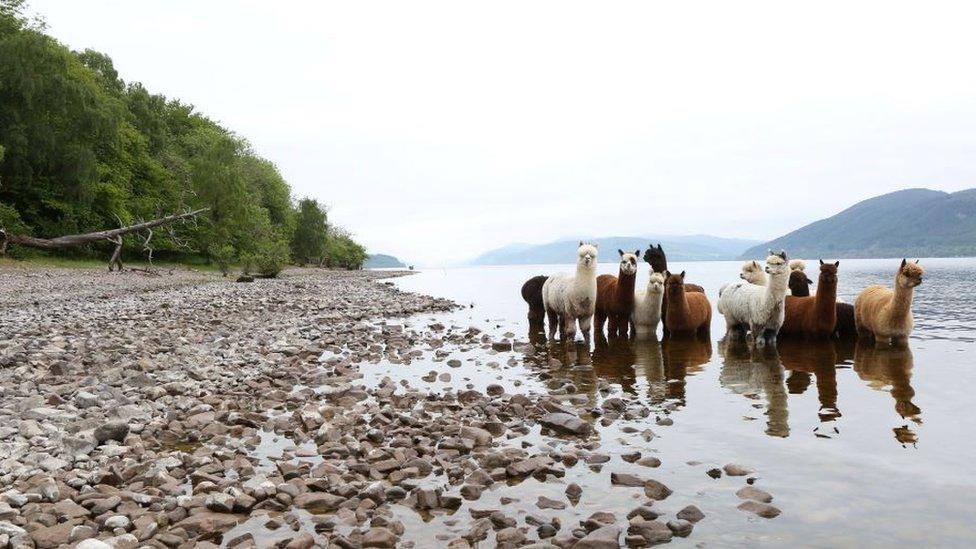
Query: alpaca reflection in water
column 804, row 359
column 661, row 366
column 886, row 367
column 756, row 372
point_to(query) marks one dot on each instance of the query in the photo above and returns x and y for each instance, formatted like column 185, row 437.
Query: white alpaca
column 647, row 307
column 798, row 265
column 571, row 298
column 753, row 273
column 760, row 309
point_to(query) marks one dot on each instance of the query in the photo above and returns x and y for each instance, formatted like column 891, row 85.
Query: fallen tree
column 112, row 235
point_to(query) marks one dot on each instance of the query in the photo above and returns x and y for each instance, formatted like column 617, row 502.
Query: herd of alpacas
column 770, row 299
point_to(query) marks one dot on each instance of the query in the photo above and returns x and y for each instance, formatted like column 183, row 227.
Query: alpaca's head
column 909, row 274
column 674, row 281
column 777, row 265
column 799, row 265
column 828, row 271
column 586, row 255
column 655, row 285
column 656, row 258
column 752, row 272
column 628, row 262
column 799, row 283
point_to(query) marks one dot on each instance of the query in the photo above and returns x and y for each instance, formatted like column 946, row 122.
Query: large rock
column 206, row 523
column 625, row 479
column 50, row 537
column 380, row 537
column 755, row 494
column 764, row 510
column 113, row 430
column 566, row 424
column 605, row 537
column 655, row 490
column 653, row 531
column 318, row 502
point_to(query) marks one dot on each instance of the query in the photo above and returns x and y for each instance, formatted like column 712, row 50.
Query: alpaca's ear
column 821, row 262
column 667, row 274
column 782, row 253
column 756, row 263
column 637, row 251
column 682, row 275
column 916, row 261
column 621, row 252
column 581, row 243
column 770, row 252
column 659, row 246
column 809, row 281
column 836, row 263
column 903, row 263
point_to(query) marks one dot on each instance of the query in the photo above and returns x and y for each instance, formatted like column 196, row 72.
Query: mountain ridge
column 678, row 248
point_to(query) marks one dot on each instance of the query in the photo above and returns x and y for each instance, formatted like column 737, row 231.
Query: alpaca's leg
column 612, row 326
column 553, row 323
column 585, row 323
column 600, row 320
column 623, row 324
column 769, row 335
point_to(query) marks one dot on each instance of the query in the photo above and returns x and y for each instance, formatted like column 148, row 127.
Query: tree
column 311, row 232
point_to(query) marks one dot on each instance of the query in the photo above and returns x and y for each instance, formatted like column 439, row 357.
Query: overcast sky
column 436, row 131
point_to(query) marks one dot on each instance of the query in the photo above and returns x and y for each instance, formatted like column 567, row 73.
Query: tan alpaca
column 884, row 314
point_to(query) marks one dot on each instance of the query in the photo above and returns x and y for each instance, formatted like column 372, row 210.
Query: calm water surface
column 857, row 445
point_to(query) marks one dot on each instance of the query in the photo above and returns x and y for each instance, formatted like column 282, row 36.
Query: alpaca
column 798, row 265
column 658, row 261
column 569, row 299
column 647, row 307
column 814, row 315
column 759, row 309
column 753, row 273
column 532, row 294
column 845, row 327
column 615, row 297
column 799, row 284
column 688, row 313
column 886, row 315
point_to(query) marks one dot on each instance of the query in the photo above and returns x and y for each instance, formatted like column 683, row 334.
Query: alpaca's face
column 776, row 265
column 828, row 271
column 656, row 283
column 656, row 259
column 586, row 255
column 910, row 275
column 628, row 263
column 752, row 272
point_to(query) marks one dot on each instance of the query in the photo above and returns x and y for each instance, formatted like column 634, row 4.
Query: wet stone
column 755, row 494
column 691, row 513
column 763, row 510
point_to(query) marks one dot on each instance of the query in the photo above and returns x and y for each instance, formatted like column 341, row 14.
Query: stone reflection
column 890, row 368
column 757, row 373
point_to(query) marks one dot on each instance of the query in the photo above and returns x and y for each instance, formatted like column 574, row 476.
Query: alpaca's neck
column 826, row 298
column 901, row 304
column 585, row 271
column 625, row 285
column 677, row 306
column 776, row 286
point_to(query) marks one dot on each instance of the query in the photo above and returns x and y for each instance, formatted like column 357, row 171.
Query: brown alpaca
column 615, row 297
column 886, row 315
column 845, row 328
column 532, row 294
column 687, row 312
column 814, row 315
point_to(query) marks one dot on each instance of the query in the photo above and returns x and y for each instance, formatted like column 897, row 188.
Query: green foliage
column 82, row 150
column 223, row 256
column 311, row 232
column 343, row 252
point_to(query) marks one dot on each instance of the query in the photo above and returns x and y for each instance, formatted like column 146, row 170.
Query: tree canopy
column 81, row 150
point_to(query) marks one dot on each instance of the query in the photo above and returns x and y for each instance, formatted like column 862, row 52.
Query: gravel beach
column 187, row 410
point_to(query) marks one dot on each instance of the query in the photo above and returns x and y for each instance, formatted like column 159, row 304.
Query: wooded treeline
column 81, row 150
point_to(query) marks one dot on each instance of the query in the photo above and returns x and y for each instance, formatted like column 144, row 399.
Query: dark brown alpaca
column 799, row 284
column 532, row 294
column 658, row 261
column 814, row 315
column 688, row 313
column 615, row 297
column 845, row 327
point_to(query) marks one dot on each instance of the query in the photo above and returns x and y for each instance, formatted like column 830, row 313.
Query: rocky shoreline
column 187, row 410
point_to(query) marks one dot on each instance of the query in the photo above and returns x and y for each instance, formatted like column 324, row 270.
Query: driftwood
column 112, row 235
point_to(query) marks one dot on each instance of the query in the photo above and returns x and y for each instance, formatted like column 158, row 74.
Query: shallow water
column 857, row 445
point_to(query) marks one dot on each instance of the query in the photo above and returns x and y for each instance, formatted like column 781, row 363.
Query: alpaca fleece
column 532, row 294
column 647, row 307
column 569, row 299
column 886, row 314
column 845, row 327
column 814, row 315
column 799, row 284
column 687, row 312
column 760, row 309
column 615, row 297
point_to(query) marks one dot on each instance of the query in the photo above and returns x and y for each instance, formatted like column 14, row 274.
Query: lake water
column 857, row 445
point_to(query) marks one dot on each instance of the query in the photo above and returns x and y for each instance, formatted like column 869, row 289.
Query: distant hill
column 908, row 223
column 678, row 248
column 382, row 261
